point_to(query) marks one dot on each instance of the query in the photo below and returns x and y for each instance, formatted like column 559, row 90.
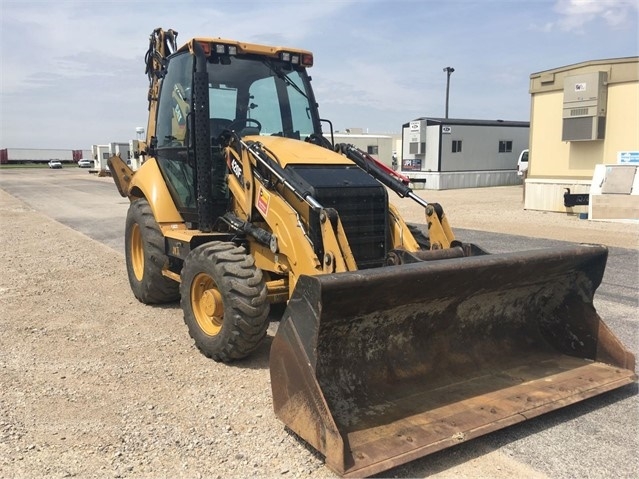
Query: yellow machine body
column 392, row 346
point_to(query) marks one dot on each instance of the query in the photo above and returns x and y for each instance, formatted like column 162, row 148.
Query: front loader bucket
column 378, row 367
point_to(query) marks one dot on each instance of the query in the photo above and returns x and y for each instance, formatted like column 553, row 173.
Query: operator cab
column 249, row 93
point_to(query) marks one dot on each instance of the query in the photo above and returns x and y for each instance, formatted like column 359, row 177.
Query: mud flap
column 378, row 367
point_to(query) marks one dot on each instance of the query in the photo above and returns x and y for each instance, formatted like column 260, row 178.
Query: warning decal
column 263, row 198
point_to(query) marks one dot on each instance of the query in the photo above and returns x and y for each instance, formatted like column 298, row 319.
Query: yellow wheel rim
column 137, row 252
column 206, row 301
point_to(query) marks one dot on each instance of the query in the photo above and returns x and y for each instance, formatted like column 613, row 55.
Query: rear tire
column 145, row 256
column 224, row 299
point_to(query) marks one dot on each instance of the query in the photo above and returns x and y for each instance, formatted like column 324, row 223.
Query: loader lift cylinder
column 369, row 165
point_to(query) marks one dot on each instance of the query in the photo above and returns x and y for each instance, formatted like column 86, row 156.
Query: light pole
column 448, row 71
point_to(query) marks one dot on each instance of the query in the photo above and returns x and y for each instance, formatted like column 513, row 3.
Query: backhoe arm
column 162, row 43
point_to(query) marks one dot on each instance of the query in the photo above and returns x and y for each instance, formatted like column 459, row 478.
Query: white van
column 522, row 163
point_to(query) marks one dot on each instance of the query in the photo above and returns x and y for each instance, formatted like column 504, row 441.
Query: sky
column 72, row 72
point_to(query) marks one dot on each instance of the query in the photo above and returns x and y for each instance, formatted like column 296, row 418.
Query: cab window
column 264, row 105
column 174, row 104
column 171, row 130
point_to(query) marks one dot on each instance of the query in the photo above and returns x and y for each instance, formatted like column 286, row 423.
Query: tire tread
column 246, row 305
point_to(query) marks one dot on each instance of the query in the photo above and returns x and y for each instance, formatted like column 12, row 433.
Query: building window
column 372, row 149
column 505, row 146
column 457, row 146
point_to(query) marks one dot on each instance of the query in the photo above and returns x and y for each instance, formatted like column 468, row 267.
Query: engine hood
column 297, row 152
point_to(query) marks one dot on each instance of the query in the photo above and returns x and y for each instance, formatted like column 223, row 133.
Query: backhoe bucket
column 378, row 367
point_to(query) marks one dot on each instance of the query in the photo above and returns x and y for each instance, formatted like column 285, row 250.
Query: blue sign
column 628, row 157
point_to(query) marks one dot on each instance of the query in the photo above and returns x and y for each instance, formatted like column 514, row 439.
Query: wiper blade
column 280, row 74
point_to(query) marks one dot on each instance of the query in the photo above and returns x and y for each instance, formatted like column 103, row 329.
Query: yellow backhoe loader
column 393, row 343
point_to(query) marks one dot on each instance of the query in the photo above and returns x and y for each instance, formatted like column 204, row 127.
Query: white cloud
column 575, row 14
column 76, row 38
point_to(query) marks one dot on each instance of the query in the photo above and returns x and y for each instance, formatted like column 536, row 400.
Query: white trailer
column 35, row 155
column 450, row 153
column 120, row 149
column 101, row 153
column 134, row 154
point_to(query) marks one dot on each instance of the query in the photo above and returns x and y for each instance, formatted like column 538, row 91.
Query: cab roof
column 243, row 47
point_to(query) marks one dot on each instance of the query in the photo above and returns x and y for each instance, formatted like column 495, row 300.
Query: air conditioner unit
column 415, row 138
column 416, row 147
column 584, row 108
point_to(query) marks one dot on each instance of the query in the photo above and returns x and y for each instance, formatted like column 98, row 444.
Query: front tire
column 145, row 256
column 224, row 299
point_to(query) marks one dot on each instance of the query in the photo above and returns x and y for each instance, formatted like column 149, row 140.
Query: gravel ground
column 95, row 384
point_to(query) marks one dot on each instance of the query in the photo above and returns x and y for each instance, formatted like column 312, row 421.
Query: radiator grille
column 363, row 215
column 362, row 205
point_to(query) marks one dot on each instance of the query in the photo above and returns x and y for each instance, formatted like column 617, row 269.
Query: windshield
column 258, row 96
column 249, row 94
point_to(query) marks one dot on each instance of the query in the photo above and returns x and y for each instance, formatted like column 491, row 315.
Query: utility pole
column 448, row 71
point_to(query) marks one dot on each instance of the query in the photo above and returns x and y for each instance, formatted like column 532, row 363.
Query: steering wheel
column 244, row 123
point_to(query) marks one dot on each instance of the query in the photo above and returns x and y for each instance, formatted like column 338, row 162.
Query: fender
column 148, row 182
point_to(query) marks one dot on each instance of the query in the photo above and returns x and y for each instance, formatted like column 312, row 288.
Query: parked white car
column 522, row 163
column 84, row 163
column 55, row 164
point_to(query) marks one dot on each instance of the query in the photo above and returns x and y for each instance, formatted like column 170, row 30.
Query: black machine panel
column 362, row 204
